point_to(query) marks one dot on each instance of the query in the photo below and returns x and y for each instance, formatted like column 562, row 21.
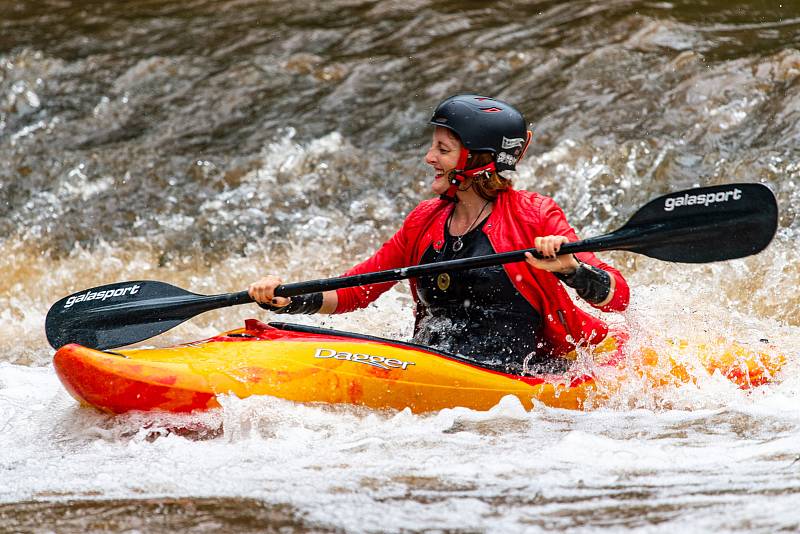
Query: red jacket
column 517, row 219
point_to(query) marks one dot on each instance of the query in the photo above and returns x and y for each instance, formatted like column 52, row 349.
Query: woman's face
column 443, row 157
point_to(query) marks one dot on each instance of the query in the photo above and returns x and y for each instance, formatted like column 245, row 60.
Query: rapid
column 207, row 143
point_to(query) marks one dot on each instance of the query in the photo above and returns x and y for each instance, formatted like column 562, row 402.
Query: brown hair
column 488, row 184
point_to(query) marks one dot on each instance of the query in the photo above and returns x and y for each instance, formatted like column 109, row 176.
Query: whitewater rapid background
column 206, row 143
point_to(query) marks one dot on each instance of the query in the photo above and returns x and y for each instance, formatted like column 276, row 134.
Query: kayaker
column 498, row 316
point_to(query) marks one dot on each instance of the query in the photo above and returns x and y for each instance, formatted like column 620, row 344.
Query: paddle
column 693, row 226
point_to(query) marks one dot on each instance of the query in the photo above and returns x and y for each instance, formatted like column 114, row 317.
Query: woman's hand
column 263, row 292
column 549, row 247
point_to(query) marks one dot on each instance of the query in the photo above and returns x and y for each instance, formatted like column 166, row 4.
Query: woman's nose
column 429, row 157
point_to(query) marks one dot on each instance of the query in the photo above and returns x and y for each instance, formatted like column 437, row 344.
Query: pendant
column 443, row 281
column 458, row 245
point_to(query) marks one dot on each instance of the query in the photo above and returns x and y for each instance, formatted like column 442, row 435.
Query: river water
column 205, row 143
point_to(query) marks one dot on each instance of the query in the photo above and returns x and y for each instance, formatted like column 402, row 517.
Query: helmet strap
column 488, row 168
column 457, row 177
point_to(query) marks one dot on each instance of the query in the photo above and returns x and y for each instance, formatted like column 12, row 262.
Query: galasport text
column 102, row 295
column 703, row 199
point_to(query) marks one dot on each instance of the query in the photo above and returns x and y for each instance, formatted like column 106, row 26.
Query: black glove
column 592, row 284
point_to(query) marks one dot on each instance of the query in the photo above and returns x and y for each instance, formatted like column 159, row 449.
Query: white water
column 501, row 470
column 702, row 457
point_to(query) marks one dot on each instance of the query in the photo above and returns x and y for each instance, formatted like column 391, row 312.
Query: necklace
column 459, row 244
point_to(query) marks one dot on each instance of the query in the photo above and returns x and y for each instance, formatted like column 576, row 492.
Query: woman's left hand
column 549, row 247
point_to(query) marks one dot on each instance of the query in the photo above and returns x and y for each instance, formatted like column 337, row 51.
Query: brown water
column 163, row 515
column 205, row 143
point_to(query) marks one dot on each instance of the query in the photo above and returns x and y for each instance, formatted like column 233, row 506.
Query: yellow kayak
column 309, row 364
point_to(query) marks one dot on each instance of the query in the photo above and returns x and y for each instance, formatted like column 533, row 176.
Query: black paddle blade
column 698, row 225
column 110, row 316
column 119, row 314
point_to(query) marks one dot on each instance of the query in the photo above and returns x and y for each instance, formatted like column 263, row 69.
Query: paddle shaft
column 181, row 306
column 615, row 240
column 391, row 275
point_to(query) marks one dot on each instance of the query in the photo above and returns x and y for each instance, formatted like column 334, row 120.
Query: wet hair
column 489, row 184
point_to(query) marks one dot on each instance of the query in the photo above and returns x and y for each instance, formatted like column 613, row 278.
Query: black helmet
column 485, row 124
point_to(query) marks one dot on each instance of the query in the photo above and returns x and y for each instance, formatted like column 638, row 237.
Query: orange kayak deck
column 308, row 364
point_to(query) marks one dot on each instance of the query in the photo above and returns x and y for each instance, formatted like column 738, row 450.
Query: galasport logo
column 705, row 199
column 102, row 295
column 368, row 359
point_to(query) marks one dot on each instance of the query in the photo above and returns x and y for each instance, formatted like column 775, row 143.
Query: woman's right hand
column 550, row 261
column 263, row 291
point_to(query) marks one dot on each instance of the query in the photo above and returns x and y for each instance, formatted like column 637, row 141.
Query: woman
column 497, row 316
